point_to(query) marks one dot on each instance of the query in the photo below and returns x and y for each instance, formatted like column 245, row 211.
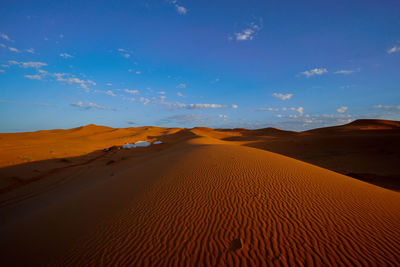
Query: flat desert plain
column 203, row 197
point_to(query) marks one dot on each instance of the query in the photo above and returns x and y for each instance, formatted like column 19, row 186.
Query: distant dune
column 204, row 197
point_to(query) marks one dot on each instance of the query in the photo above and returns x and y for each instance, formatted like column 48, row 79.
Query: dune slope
column 206, row 202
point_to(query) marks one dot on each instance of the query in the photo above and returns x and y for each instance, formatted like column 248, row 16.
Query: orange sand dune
column 196, row 199
column 365, row 149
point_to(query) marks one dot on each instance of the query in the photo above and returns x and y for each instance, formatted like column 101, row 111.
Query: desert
column 187, row 200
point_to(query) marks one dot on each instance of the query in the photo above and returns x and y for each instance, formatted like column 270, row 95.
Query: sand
column 196, row 199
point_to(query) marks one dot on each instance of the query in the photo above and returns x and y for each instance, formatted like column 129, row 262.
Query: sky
column 294, row 65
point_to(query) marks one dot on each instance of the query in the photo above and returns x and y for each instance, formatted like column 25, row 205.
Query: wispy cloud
column 180, row 9
column 133, row 92
column 44, row 105
column 181, row 86
column 388, row 108
column 29, row 64
column 183, row 120
column 124, row 52
column 269, row 109
column 223, row 116
column 30, row 50
column 63, row 77
column 249, row 32
column 394, row 49
column 300, row 110
column 342, row 109
column 5, row 37
column 33, row 77
column 66, row 55
column 316, row 71
column 108, row 92
column 345, row 72
column 88, row 105
column 13, row 49
column 282, row 96
column 179, row 94
column 144, row 100
column 173, row 105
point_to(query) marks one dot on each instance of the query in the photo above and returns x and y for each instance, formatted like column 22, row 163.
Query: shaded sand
column 197, row 199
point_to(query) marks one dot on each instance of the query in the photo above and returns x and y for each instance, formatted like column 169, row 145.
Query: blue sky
column 288, row 64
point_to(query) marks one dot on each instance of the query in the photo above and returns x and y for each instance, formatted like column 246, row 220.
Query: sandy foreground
column 201, row 198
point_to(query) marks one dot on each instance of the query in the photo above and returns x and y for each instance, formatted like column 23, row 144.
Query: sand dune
column 196, row 199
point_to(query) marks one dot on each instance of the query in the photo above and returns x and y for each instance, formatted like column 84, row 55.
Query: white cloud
column 29, row 64
column 78, row 104
column 73, row 80
column 109, row 84
column 316, row 71
column 345, row 72
column 61, row 35
column 1, row 70
column 300, row 110
column 125, row 52
column 145, row 101
column 388, row 108
column 88, row 105
column 161, row 93
column 181, row 86
column 33, row 77
column 342, row 109
column 32, row 64
column 3, row 45
column 133, row 92
column 138, row 72
column 282, row 96
column 222, row 116
column 66, row 55
column 197, row 106
column 179, row 94
column 94, row 105
column 13, row 49
column 109, row 92
column 345, row 86
column 180, row 9
column 248, row 33
column 394, row 49
column 30, row 50
column 5, row 37
column 183, row 119
column 269, row 109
